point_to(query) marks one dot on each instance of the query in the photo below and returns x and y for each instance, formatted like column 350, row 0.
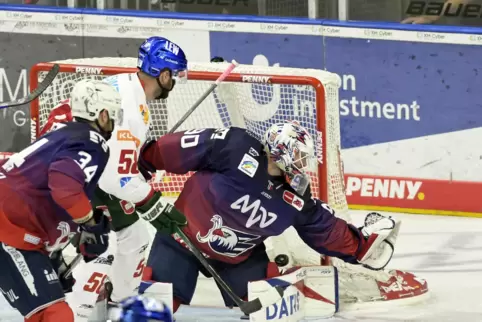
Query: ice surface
column 446, row 251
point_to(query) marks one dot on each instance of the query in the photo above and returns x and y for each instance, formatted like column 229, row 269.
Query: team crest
column 145, row 113
column 227, row 241
column 65, row 233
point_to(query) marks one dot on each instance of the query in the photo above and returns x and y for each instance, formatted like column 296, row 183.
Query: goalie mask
column 291, row 147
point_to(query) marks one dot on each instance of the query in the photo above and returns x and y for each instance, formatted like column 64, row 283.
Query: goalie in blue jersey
column 243, row 191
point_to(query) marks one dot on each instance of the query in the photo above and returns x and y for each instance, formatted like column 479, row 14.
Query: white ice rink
column 446, row 251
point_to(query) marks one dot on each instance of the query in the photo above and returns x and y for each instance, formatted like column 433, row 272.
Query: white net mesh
column 249, row 102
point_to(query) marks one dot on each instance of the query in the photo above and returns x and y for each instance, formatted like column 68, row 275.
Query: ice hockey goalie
column 244, row 191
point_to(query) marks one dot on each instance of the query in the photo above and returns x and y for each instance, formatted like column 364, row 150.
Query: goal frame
column 318, row 87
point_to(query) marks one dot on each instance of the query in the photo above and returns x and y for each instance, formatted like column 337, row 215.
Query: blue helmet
column 157, row 53
column 142, row 309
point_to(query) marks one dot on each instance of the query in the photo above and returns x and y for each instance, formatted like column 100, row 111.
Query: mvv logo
column 258, row 212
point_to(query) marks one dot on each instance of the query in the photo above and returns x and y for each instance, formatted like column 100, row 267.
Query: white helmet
column 90, row 97
column 291, row 147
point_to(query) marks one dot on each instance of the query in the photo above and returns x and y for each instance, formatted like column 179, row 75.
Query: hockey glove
column 161, row 214
column 145, row 167
column 94, row 239
column 381, row 234
column 60, row 266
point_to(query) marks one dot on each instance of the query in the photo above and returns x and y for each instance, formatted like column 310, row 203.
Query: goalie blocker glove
column 93, row 240
column 161, row 214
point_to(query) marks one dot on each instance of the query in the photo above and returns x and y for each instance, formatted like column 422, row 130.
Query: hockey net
column 252, row 97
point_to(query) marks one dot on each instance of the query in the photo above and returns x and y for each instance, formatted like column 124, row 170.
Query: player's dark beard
column 164, row 91
column 105, row 134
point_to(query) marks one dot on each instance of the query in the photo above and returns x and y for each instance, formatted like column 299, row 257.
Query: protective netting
column 255, row 98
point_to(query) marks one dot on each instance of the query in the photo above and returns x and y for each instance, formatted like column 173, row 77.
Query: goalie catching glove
column 93, row 239
column 381, row 233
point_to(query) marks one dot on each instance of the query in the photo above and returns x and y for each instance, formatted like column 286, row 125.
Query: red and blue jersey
column 47, row 186
column 233, row 204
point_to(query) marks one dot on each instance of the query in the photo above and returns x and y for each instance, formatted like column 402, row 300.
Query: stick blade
column 257, row 304
column 49, row 78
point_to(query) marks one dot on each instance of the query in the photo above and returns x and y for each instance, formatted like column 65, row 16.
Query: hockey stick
column 211, row 88
column 275, row 294
column 36, row 92
column 72, row 265
column 222, row 77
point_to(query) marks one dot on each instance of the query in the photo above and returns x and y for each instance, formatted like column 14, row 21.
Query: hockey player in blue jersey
column 44, row 200
column 245, row 190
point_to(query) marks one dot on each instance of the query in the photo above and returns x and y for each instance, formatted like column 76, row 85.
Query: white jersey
column 121, row 177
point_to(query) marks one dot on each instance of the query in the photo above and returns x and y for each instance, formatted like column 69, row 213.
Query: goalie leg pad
column 310, row 292
column 171, row 263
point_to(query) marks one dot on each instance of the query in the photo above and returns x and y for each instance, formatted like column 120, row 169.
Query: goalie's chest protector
column 240, row 205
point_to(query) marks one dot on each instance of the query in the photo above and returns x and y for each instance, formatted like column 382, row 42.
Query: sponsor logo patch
column 292, row 199
column 248, row 165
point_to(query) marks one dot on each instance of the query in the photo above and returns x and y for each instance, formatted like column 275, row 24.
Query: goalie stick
column 36, row 92
column 248, row 307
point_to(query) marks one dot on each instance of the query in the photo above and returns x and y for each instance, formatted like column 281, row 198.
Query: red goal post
column 253, row 97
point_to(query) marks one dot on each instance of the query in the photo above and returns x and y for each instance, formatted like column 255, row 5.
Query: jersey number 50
column 128, row 162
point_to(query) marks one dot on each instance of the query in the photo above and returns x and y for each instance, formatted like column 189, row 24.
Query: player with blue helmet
column 161, row 62
column 122, row 191
column 141, row 309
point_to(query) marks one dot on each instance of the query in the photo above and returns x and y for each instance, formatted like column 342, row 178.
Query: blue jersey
column 48, row 184
column 233, row 204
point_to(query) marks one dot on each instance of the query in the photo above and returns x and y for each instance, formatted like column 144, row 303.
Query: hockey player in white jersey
column 122, row 190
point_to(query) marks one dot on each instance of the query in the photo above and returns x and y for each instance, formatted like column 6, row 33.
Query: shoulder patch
column 292, row 199
column 248, row 165
column 144, row 110
column 253, row 152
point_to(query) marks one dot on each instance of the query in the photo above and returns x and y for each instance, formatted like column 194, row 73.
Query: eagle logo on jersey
column 227, row 241
column 65, row 235
column 145, row 113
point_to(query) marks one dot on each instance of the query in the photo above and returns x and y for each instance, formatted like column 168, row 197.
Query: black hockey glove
column 60, row 266
column 145, row 168
column 161, row 214
column 94, row 239
column 217, row 59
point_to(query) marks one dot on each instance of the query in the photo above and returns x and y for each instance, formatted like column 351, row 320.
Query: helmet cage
column 293, row 152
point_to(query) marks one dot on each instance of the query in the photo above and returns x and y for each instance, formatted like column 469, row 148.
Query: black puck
column 282, row 260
